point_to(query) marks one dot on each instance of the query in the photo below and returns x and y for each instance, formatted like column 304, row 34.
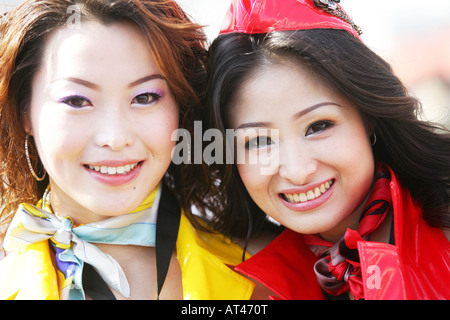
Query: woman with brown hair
column 340, row 159
column 91, row 94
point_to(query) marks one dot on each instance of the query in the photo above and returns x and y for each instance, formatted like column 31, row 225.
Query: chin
column 312, row 223
column 112, row 208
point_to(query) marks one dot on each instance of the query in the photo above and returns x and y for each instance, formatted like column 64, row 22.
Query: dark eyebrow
column 145, row 79
column 312, row 108
column 81, row 82
column 295, row 116
column 254, row 124
column 94, row 86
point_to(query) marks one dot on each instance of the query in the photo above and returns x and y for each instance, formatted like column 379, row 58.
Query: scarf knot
column 73, row 245
column 338, row 269
column 63, row 234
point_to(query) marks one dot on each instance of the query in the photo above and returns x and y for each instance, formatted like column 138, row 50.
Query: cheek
column 57, row 137
column 257, row 185
column 355, row 164
column 351, row 153
column 248, row 176
column 351, row 146
column 157, row 131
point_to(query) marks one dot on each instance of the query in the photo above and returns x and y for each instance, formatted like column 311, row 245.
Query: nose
column 114, row 129
column 297, row 163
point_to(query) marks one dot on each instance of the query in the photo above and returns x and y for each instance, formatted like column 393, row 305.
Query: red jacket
column 416, row 267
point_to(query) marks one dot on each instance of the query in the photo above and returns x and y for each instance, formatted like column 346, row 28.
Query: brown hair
column 177, row 44
column 418, row 151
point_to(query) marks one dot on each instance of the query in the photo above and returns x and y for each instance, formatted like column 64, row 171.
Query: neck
column 67, row 208
column 62, row 205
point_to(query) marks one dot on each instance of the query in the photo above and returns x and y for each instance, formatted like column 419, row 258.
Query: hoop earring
column 373, row 138
column 29, row 162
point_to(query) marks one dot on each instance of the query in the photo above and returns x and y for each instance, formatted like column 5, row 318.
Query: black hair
column 417, row 151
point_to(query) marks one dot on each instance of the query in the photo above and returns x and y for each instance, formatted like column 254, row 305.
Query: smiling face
column 102, row 116
column 324, row 162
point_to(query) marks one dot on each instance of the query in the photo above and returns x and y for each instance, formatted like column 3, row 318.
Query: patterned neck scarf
column 73, row 244
column 338, row 268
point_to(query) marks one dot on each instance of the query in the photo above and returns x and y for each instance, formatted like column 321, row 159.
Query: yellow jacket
column 29, row 273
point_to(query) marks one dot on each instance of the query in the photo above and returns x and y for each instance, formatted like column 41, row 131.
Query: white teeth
column 317, row 192
column 120, row 170
column 309, row 195
column 303, row 197
column 113, row 170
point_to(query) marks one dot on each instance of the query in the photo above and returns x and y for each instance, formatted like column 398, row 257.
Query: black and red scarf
column 338, row 269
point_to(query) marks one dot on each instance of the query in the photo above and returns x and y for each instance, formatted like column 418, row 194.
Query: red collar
column 286, row 266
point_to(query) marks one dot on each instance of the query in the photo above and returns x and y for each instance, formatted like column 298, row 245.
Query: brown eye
column 318, row 127
column 77, row 102
column 146, row 98
column 258, row 143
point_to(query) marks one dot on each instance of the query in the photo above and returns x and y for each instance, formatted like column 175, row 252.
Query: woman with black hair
column 340, row 158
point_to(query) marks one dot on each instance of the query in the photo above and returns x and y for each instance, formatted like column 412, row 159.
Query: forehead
column 273, row 67
column 97, row 46
column 268, row 80
column 276, row 93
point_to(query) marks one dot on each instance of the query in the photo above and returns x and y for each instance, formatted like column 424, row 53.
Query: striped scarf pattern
column 74, row 245
column 338, row 267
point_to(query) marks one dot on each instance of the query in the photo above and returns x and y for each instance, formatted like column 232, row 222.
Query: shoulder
column 206, row 260
column 202, row 241
column 35, row 261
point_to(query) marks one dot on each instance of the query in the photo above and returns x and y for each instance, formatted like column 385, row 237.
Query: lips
column 113, row 170
column 115, row 173
column 308, row 199
column 308, row 195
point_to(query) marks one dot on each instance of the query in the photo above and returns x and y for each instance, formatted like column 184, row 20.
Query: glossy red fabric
column 417, row 267
column 263, row 16
column 338, row 269
column 286, row 266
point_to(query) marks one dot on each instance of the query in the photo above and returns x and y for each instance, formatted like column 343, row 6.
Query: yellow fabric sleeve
column 29, row 274
column 204, row 258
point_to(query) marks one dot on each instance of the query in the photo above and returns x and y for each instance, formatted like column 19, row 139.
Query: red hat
column 263, row 16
